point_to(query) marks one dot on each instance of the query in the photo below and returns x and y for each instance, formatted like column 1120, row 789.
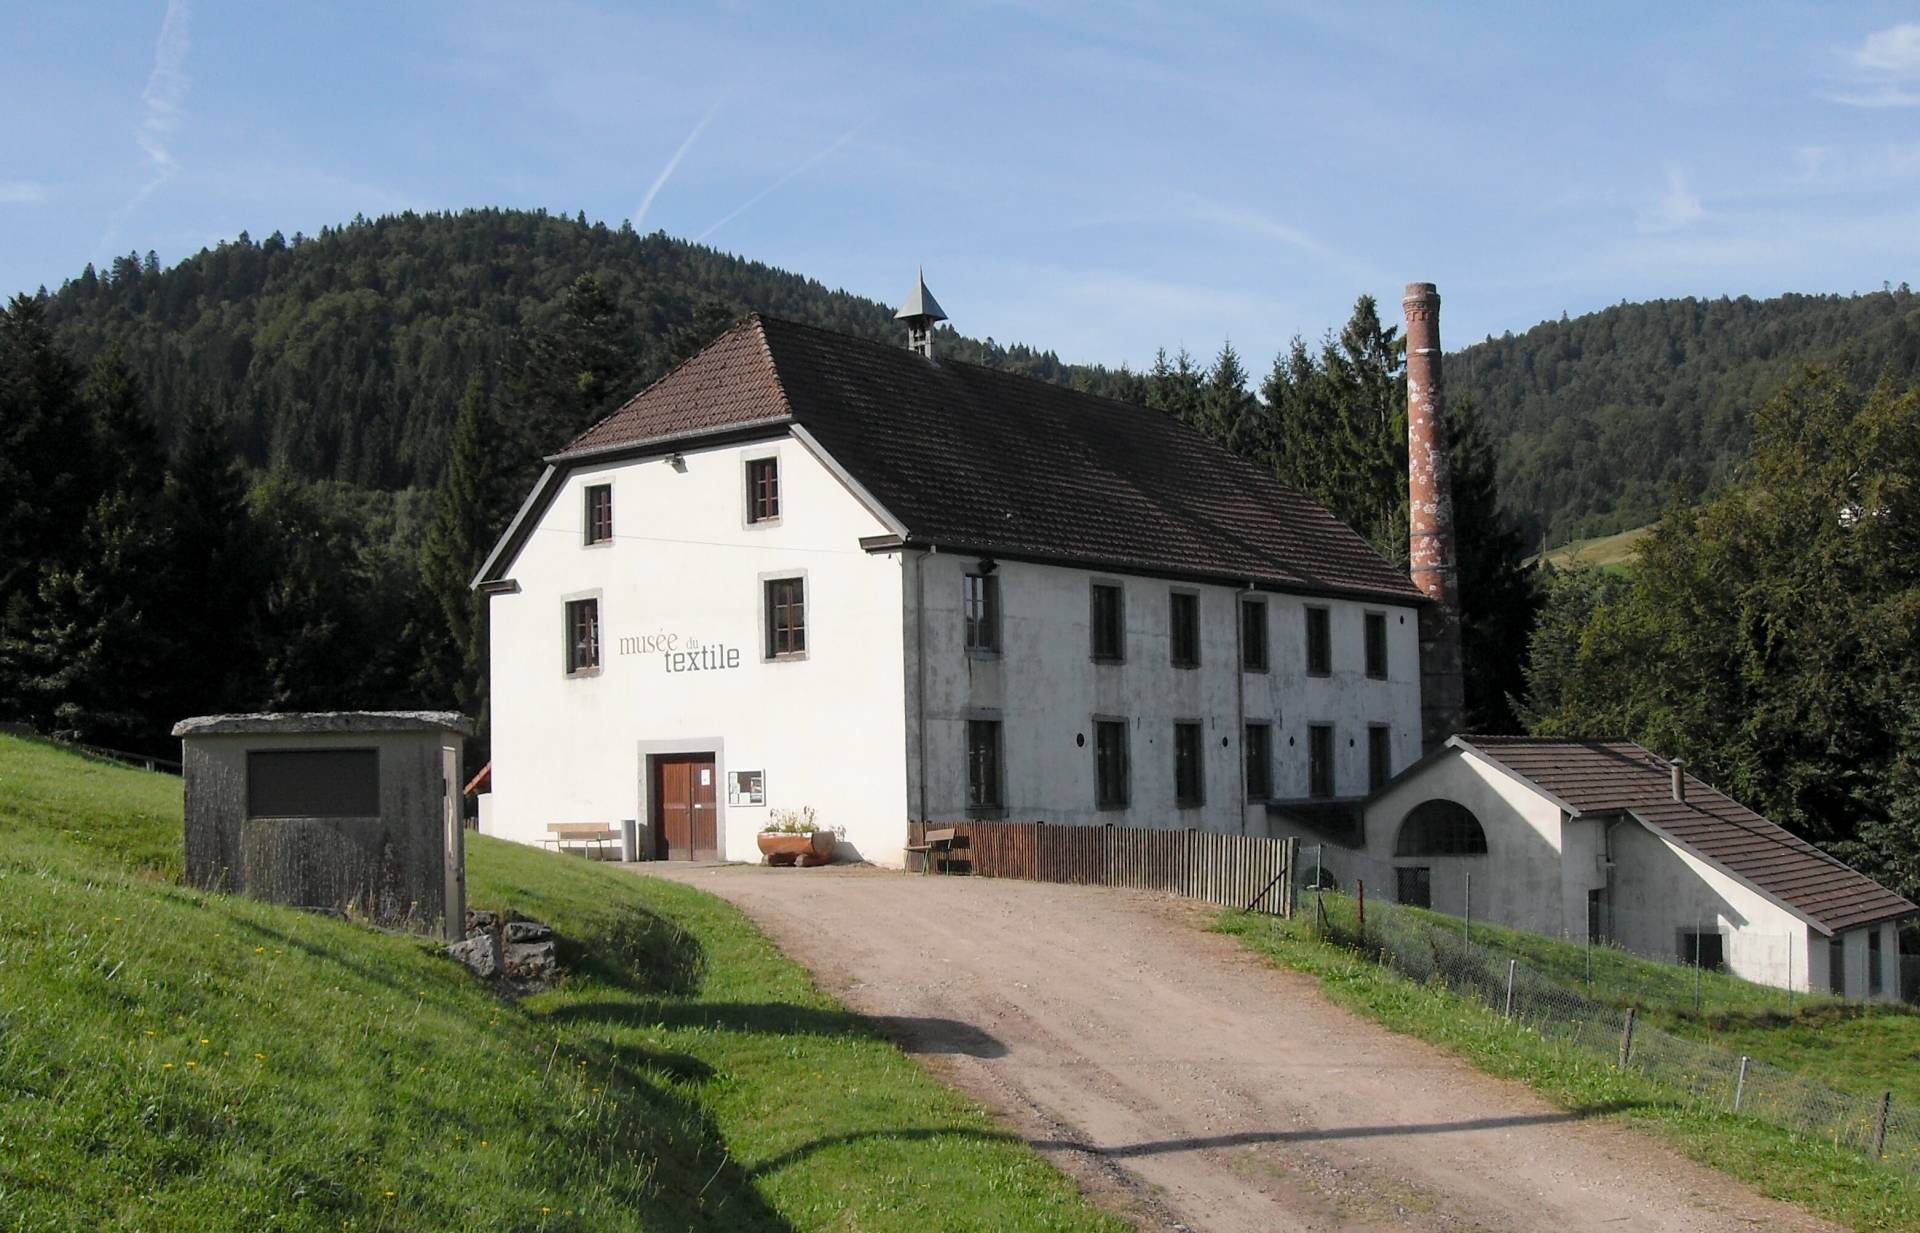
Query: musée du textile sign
column 678, row 654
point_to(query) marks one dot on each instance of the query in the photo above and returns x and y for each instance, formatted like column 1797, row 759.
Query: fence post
column 1360, row 901
column 1289, row 866
column 1740, row 1084
column 1589, row 958
column 1466, row 917
column 1880, row 1126
column 1626, row 1037
column 1511, row 965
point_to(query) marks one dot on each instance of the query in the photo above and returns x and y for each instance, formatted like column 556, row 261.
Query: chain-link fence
column 1482, row 962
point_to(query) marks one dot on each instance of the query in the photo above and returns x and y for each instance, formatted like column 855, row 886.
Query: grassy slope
column 1605, row 551
column 1862, row 1049
column 171, row 1059
column 1834, row 1182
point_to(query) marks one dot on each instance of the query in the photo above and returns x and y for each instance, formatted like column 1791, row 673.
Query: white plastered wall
column 1519, row 882
column 1046, row 690
column 684, row 564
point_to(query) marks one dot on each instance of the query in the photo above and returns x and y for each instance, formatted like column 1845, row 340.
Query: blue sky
column 1101, row 180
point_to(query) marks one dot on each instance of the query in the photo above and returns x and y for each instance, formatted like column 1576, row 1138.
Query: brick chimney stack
column 1431, row 546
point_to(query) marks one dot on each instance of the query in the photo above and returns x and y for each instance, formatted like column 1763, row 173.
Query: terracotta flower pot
column 815, row 848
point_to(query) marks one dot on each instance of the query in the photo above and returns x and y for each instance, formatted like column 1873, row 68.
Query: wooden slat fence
column 1230, row 870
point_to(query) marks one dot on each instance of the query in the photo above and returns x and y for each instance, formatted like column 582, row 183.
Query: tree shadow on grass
column 639, row 951
column 911, row 1033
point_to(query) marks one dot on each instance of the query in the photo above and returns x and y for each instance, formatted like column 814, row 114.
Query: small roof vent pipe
column 1679, row 780
column 920, row 312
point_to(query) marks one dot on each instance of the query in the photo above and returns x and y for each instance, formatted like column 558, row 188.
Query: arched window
column 1441, row 828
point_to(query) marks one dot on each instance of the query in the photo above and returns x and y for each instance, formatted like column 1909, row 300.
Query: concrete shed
column 357, row 811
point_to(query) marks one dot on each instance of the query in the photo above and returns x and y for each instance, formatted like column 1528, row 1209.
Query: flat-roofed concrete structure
column 355, row 811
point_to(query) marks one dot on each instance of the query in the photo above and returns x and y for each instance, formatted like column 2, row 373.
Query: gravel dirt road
column 1192, row 1086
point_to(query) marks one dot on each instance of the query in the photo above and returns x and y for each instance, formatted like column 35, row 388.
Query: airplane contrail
column 754, row 200
column 666, row 173
column 162, row 99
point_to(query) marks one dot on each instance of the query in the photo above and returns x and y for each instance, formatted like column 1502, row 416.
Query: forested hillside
column 344, row 356
column 1602, row 418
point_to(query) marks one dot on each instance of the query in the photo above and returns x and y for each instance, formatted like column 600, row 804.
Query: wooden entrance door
column 684, row 817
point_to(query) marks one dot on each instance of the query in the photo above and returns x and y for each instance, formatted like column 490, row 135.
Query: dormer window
column 599, row 513
column 763, row 490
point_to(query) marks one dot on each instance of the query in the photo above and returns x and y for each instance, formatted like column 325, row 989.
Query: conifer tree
column 585, row 360
column 463, row 529
column 1228, row 412
column 213, row 579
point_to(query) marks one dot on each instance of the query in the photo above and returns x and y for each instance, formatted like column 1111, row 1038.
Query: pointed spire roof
column 921, row 303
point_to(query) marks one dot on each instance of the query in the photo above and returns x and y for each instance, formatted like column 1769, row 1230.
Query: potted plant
column 791, row 837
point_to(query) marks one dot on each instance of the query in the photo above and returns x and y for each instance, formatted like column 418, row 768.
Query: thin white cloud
column 666, row 173
column 23, row 192
column 755, row 200
column 1674, row 209
column 161, row 108
column 1883, row 71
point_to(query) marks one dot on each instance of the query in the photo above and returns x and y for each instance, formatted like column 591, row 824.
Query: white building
column 1602, row 839
column 805, row 569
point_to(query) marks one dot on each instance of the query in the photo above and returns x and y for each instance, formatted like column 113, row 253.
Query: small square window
column 1377, row 645
column 583, row 636
column 599, row 513
column 1253, row 635
column 1319, row 642
column 1189, row 771
column 1108, row 623
column 1183, row 629
column 983, row 764
column 1379, row 756
column 1320, row 760
column 786, row 618
column 763, row 489
column 1110, row 763
column 980, row 603
column 1259, row 751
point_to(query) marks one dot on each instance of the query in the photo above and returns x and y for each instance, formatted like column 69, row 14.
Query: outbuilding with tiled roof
column 1606, row 840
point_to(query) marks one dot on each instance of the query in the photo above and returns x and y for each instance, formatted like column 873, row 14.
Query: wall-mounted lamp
column 677, row 462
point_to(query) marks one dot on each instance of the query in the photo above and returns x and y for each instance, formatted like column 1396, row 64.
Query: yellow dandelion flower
column 259, row 1057
column 166, row 1066
column 388, row 1193
column 483, row 1143
column 259, row 950
column 545, row 1210
column 150, row 1031
column 205, row 1041
column 191, row 1065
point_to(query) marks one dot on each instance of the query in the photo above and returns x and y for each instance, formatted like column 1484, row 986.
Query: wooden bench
column 939, row 840
column 598, row 834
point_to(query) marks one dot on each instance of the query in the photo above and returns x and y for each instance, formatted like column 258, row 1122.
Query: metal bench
column 598, row 834
column 939, row 840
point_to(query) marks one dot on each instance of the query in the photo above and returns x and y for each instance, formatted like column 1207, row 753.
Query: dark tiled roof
column 975, row 460
column 1623, row 777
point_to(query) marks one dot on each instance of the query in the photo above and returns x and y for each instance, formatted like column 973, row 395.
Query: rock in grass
column 528, row 931
column 530, row 960
column 481, row 954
